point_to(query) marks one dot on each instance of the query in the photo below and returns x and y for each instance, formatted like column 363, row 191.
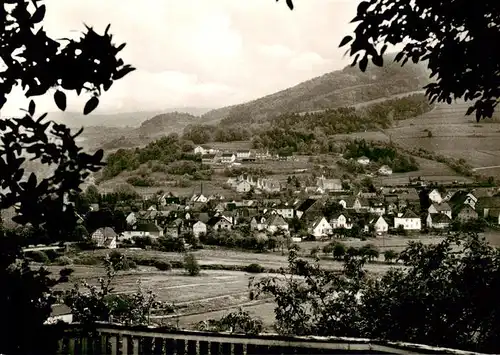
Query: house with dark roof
column 465, row 213
column 143, row 230
column 105, row 238
column 276, row 223
column 442, row 208
column 408, row 221
column 305, row 206
column 438, row 221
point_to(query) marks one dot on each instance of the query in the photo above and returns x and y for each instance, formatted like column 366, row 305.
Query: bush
column 52, row 254
column 254, row 268
column 191, row 265
column 163, row 265
column 88, row 260
column 63, row 260
column 38, row 256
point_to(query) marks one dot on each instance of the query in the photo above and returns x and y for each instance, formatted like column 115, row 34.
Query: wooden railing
column 121, row 340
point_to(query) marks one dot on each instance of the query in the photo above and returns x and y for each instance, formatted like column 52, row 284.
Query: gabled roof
column 442, row 207
column 277, row 220
column 317, row 221
column 203, row 217
column 227, row 155
column 214, row 220
column 440, row 218
column 148, row 227
column 306, row 204
column 409, row 214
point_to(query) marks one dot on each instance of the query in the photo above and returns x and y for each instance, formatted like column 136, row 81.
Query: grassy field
column 215, row 293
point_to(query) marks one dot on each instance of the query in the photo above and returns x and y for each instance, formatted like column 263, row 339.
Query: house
column 243, row 186
column 465, row 213
column 305, row 206
column 494, row 215
column 435, row 196
column 376, row 206
column 380, row 225
column 143, row 230
column 443, row 208
column 199, row 198
column 174, row 228
column 320, row 227
column 363, row 160
column 243, row 154
column 276, row 223
column 485, row 205
column 168, row 199
column 227, row 158
column 463, row 197
column 268, row 185
column 208, row 159
column 262, row 155
column 258, row 223
column 285, row 210
column 340, row 221
column 385, row 170
column 220, row 222
column 438, row 221
column 200, row 150
column 60, row 313
column 199, row 228
column 131, row 219
column 104, row 238
column 329, row 184
column 409, row 221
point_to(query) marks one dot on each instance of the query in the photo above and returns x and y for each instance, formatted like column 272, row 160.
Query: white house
column 380, row 226
column 435, row 196
column 243, row 154
column 220, row 222
column 269, row 185
column 385, row 170
column 131, row 219
column 320, row 228
column 243, row 186
column 104, row 238
column 376, row 207
column 409, row 220
column 258, row 223
column 340, row 221
column 285, row 211
column 60, row 313
column 199, row 228
column 363, row 160
column 200, row 150
column 143, row 230
column 227, row 158
column 329, row 184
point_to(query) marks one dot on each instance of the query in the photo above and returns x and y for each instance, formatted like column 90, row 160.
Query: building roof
column 148, row 227
column 227, row 155
column 440, row 218
column 442, row 207
column 306, row 204
column 277, row 220
column 409, row 214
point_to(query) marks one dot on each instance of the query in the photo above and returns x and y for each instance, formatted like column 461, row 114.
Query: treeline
column 381, row 154
column 200, row 134
column 311, row 132
column 169, row 154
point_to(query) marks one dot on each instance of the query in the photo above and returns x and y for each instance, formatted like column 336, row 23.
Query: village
column 328, row 213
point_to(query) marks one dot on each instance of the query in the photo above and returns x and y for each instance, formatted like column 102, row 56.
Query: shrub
column 191, row 265
column 88, row 260
column 163, row 265
column 39, row 256
column 52, row 254
column 254, row 268
column 63, row 260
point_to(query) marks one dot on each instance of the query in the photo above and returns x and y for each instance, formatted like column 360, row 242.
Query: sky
column 203, row 53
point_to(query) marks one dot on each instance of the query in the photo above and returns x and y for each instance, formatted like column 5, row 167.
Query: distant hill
column 131, row 119
column 345, row 87
column 166, row 123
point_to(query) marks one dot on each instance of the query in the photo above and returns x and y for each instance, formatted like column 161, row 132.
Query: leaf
column 38, row 15
column 363, row 63
column 345, row 40
column 122, row 72
column 399, row 56
column 120, row 47
column 31, row 109
column 378, row 60
column 107, row 29
column 362, row 7
column 470, row 110
column 91, row 105
column 60, row 99
column 290, row 4
column 40, row 119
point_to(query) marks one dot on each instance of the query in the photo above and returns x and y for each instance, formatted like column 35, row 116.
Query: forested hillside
column 340, row 88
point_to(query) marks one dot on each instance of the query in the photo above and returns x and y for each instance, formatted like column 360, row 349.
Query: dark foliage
column 88, row 64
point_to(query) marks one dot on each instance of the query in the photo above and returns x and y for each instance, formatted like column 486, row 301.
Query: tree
column 446, row 295
column 191, row 265
column 390, row 255
column 38, row 63
column 339, row 250
column 458, row 42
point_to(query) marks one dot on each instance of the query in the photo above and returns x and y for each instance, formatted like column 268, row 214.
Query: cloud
column 205, row 53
